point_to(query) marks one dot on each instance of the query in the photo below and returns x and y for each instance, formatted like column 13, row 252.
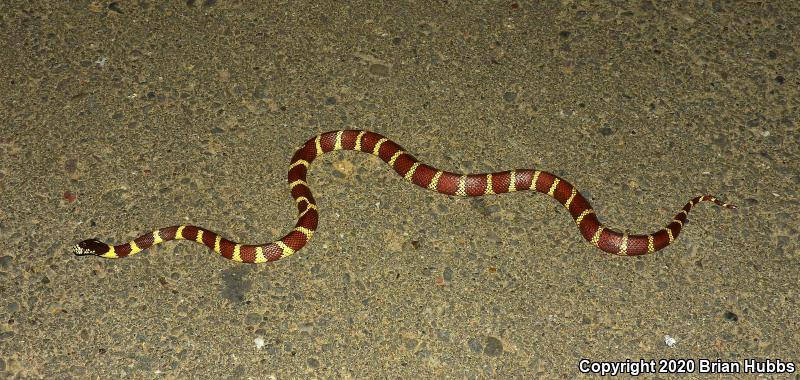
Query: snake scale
column 465, row 185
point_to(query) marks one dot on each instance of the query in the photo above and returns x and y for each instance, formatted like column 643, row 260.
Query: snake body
column 418, row 173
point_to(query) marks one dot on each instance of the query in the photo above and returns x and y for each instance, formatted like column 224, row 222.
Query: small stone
column 493, row 347
column 260, row 92
column 379, row 70
column 253, row 318
column 447, row 274
column 69, row 197
column 5, row 261
column 71, row 165
column 731, row 316
column 772, row 54
column 749, row 202
column 475, row 345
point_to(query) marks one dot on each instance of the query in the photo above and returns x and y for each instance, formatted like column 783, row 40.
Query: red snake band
column 408, row 167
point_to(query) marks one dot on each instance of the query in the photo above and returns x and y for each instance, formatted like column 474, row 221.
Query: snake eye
column 90, row 247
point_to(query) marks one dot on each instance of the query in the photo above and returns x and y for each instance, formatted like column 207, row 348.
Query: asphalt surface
column 117, row 118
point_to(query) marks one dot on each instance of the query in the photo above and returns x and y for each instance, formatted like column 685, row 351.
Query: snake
column 418, row 173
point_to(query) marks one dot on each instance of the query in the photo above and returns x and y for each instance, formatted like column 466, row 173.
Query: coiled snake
column 465, row 185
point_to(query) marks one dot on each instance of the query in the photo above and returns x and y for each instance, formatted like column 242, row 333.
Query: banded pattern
column 418, row 173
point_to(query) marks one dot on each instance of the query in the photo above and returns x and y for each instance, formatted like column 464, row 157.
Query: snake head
column 90, row 247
